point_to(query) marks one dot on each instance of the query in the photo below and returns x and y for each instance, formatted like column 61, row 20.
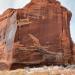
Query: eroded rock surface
column 8, row 28
column 43, row 34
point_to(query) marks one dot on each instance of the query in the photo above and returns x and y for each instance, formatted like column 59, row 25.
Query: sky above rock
column 70, row 4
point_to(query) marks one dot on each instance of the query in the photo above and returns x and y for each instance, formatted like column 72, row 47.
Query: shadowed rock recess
column 36, row 35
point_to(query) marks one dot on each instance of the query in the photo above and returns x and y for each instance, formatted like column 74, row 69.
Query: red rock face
column 7, row 33
column 49, row 22
column 43, row 34
column 73, row 53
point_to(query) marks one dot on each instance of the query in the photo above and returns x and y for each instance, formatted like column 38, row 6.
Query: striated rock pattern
column 42, row 36
column 74, row 54
column 8, row 28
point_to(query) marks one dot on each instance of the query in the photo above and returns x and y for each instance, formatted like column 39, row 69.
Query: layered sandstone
column 49, row 22
column 73, row 53
column 42, row 34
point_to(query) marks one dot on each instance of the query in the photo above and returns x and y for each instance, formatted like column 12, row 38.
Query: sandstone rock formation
column 43, row 33
column 7, row 33
column 74, row 54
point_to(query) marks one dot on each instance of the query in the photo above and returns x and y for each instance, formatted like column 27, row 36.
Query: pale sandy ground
column 41, row 71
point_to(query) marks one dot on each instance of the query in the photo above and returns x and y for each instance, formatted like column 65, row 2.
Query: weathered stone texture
column 7, row 34
column 48, row 21
column 43, row 33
